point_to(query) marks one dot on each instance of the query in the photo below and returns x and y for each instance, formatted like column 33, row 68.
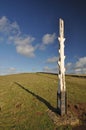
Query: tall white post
column 61, row 94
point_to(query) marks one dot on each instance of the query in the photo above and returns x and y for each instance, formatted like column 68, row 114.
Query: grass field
column 25, row 99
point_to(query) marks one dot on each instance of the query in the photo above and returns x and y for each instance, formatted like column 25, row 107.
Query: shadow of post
column 39, row 98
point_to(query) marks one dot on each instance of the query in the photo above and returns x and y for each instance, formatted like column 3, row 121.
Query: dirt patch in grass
column 79, row 110
column 76, row 117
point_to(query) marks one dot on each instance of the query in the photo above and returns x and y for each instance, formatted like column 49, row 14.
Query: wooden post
column 61, row 94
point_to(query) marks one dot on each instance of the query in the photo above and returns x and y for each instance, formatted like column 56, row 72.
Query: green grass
column 76, row 89
column 25, row 99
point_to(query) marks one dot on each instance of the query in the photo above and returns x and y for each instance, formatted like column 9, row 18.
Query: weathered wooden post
column 61, row 94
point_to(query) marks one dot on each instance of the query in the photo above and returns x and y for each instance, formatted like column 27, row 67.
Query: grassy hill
column 25, row 99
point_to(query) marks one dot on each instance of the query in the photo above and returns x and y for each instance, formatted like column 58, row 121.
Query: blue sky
column 29, row 31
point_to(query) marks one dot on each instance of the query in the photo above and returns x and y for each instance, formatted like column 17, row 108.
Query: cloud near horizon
column 50, row 70
column 7, row 71
column 52, row 59
column 78, row 68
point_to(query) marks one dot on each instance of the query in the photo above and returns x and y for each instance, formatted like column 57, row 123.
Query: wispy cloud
column 79, row 67
column 50, row 70
column 22, row 42
column 12, row 70
column 81, row 63
column 52, row 59
column 9, row 28
column 48, row 38
column 6, row 71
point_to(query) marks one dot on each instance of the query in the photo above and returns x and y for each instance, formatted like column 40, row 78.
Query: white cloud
column 11, row 70
column 26, row 50
column 9, row 28
column 6, row 71
column 22, row 42
column 48, row 38
column 68, row 67
column 69, row 64
column 81, row 63
column 24, row 46
column 78, row 70
column 79, row 67
column 50, row 70
column 52, row 59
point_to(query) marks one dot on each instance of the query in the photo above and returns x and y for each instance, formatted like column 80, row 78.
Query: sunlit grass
column 76, row 89
column 23, row 106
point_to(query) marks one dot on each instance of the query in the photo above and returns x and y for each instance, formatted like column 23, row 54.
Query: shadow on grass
column 39, row 98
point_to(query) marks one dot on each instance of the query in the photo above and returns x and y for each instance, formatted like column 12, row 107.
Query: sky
column 29, row 31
